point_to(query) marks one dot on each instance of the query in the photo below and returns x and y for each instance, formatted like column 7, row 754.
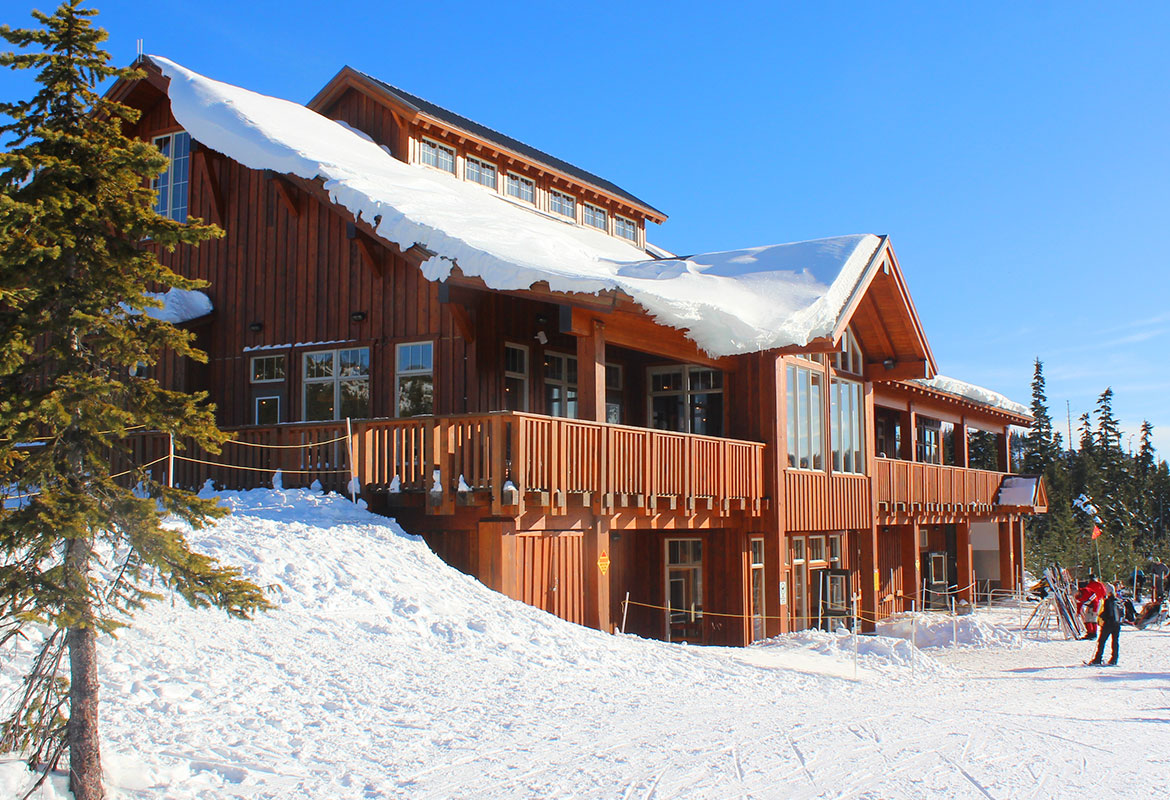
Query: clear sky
column 1018, row 154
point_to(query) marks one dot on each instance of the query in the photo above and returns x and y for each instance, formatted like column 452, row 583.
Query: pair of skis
column 1097, row 664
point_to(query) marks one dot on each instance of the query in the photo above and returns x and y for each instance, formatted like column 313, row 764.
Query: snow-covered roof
column 1018, row 490
column 729, row 302
column 969, row 391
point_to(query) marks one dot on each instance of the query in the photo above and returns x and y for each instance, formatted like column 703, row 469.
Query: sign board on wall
column 783, row 593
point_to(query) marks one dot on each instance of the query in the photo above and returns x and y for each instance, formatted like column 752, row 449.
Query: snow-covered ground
column 384, row 673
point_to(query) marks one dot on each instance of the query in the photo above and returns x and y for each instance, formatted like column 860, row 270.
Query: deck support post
column 966, row 562
column 1007, row 555
column 962, row 452
column 597, row 572
column 1002, row 447
column 911, row 568
column 591, row 373
column 870, row 576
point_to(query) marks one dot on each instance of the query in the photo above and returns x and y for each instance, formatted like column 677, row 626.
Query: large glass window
column 519, row 187
column 337, row 384
column 847, row 425
column 515, row 377
column 267, row 410
column 415, row 379
column 171, row 186
column 436, row 155
column 805, row 408
column 613, row 393
column 563, row 204
column 688, row 399
column 560, row 385
column 757, row 566
column 480, row 172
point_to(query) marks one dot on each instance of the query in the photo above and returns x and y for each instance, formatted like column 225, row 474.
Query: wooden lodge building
column 558, row 434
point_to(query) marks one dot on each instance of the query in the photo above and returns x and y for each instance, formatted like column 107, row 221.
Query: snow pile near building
column 885, row 654
column 379, row 665
column 733, row 302
column 932, row 630
column 969, row 391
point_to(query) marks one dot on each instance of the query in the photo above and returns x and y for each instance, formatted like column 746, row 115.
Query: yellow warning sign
column 877, row 581
column 603, row 562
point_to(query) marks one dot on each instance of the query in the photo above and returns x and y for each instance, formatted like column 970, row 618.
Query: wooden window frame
column 522, row 180
column 424, row 140
column 336, row 379
column 566, row 196
column 252, row 368
column 813, row 414
column 635, row 240
column 256, row 408
column 495, row 185
column 521, row 376
column 156, row 183
column 400, row 373
column 564, row 382
column 585, row 208
column 690, row 566
column 686, row 392
column 837, row 418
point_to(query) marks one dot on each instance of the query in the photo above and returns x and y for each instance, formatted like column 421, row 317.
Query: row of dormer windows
column 485, row 173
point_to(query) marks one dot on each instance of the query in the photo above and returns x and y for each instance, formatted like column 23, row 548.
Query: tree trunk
column 85, row 763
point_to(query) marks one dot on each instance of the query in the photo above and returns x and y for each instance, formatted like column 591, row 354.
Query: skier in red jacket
column 1087, row 604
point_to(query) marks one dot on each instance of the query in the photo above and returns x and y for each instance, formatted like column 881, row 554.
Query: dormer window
column 436, row 155
column 480, row 172
column 625, row 228
column 849, row 359
column 521, row 188
column 596, row 217
column 562, row 204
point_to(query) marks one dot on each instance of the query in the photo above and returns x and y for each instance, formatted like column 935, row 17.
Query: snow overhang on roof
column 732, row 302
column 974, row 394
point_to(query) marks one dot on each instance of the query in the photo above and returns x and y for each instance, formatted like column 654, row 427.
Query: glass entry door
column 684, row 590
column 758, row 627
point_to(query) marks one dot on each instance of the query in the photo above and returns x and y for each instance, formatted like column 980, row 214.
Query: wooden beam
column 962, row 458
column 285, row 192
column 365, row 247
column 211, row 182
column 900, row 370
column 644, row 335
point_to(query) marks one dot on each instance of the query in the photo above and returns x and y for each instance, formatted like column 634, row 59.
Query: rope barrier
column 51, row 438
column 263, row 469
column 111, row 477
column 698, row 613
column 285, row 446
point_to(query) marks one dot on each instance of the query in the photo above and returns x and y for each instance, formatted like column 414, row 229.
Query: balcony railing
column 509, row 460
column 910, row 487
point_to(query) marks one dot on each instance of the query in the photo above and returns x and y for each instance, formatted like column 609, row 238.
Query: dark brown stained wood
column 285, row 192
column 206, row 169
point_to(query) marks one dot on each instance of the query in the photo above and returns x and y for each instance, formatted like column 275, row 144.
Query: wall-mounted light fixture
column 888, row 363
column 255, row 327
column 357, row 316
column 541, row 319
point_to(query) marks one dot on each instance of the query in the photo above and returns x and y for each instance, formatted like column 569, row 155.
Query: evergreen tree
column 78, row 241
column 1041, row 445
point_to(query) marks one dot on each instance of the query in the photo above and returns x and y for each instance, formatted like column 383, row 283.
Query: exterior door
column 759, row 629
column 934, row 575
column 831, row 598
column 684, row 590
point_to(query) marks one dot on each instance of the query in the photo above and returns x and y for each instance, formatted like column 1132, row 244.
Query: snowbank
column 731, row 302
column 934, row 629
column 180, row 305
column 969, row 391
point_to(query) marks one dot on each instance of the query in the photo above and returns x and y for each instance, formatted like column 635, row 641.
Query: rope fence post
column 171, row 461
column 913, row 642
column 854, row 637
column 349, row 453
column 625, row 609
column 954, row 622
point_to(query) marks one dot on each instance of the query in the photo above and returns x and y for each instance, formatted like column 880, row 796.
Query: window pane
column 802, row 442
column 707, row 414
column 667, row 413
column 790, row 386
column 267, row 410
column 355, row 398
column 835, row 423
column 553, row 367
column 625, row 228
column 562, row 204
column 521, row 188
column 514, row 394
column 353, row 363
column 815, row 415
column 613, row 376
column 268, row 368
column 318, row 365
column 415, row 357
column 319, row 401
column 595, row 217
column 415, row 395
column 667, row 381
column 516, row 360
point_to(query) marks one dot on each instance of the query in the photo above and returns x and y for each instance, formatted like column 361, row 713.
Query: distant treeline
column 1097, row 483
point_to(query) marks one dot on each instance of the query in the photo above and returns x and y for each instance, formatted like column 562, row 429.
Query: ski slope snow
column 385, row 673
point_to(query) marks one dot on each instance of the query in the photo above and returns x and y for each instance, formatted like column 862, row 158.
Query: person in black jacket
column 1110, row 625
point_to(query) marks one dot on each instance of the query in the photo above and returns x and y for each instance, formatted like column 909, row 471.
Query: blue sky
column 1018, row 154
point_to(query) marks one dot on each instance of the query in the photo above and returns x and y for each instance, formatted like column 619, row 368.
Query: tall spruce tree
column 78, row 242
column 1042, row 444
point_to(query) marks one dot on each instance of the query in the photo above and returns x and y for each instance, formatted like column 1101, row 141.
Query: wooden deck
column 511, row 461
column 909, row 488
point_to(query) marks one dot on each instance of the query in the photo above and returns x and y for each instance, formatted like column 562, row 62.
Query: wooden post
column 1002, row 446
column 496, row 563
column 870, row 576
column 597, row 576
column 591, row 374
column 911, row 567
column 1007, row 555
column 349, row 453
column 171, row 462
column 962, row 454
column 966, row 567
